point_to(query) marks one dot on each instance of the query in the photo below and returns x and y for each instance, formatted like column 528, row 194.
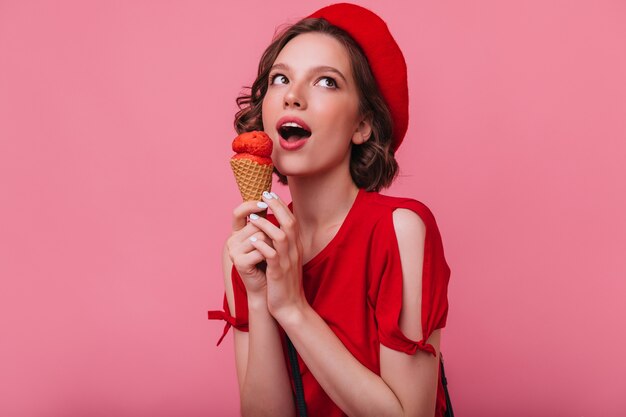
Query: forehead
column 315, row 49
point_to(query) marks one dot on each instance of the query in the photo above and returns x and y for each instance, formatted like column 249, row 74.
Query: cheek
column 265, row 117
column 268, row 107
column 340, row 116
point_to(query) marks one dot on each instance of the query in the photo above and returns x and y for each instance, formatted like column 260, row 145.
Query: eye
column 278, row 79
column 327, row 82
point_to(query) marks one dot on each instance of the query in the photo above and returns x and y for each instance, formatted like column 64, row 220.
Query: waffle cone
column 252, row 178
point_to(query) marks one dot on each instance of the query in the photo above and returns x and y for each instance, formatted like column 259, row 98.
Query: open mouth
column 292, row 132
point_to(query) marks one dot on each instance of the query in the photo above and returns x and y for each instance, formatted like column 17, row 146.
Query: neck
column 322, row 201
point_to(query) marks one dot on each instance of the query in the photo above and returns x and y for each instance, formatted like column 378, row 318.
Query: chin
column 291, row 171
column 287, row 167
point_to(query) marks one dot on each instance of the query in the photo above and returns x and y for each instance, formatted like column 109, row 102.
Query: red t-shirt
column 355, row 285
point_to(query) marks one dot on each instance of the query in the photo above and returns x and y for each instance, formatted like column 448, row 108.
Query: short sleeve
column 386, row 291
column 240, row 320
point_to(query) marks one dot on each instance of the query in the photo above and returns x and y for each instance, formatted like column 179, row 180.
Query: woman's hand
column 284, row 259
column 243, row 254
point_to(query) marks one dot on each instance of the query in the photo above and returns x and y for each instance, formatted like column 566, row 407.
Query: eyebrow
column 321, row 68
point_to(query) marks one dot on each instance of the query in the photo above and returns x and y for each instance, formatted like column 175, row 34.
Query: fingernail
column 267, row 195
column 274, row 195
column 254, row 217
column 261, row 204
column 254, row 239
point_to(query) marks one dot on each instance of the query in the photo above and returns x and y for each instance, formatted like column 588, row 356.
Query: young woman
column 356, row 280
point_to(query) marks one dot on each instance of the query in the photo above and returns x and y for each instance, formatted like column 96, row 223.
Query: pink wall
column 115, row 198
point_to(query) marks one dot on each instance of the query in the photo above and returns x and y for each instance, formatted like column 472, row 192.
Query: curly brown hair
column 372, row 163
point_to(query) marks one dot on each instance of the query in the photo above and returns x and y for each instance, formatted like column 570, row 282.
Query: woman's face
column 311, row 108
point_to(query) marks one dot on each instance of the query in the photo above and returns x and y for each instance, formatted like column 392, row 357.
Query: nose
column 294, row 98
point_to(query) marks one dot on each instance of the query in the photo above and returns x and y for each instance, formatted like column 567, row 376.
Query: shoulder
column 407, row 212
column 410, row 233
column 408, row 223
column 406, row 218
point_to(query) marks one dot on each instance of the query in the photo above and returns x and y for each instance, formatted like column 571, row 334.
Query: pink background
column 115, row 198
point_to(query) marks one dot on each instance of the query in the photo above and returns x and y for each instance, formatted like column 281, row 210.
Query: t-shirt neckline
column 338, row 236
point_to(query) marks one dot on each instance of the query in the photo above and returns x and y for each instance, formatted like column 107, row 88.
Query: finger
column 284, row 216
column 239, row 242
column 279, row 208
column 260, row 235
column 242, row 211
column 237, row 239
column 247, row 246
column 266, row 250
column 244, row 234
column 247, row 262
column 278, row 236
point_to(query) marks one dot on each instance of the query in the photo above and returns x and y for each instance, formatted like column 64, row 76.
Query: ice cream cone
column 252, row 178
column 252, row 164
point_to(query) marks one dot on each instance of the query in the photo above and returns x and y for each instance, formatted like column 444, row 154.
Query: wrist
column 257, row 301
column 293, row 316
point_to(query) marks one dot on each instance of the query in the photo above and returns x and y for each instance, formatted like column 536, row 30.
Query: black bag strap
column 444, row 382
column 297, row 378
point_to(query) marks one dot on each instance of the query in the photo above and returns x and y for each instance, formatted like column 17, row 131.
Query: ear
column 363, row 130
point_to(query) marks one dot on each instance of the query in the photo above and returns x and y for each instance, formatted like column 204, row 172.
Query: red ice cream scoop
column 256, row 146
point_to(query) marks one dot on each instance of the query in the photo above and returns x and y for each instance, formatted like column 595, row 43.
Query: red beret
column 382, row 52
